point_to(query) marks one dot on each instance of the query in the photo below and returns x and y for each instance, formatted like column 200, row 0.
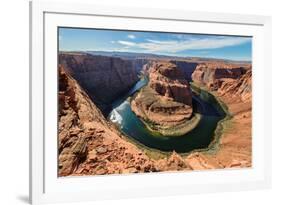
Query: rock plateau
column 166, row 102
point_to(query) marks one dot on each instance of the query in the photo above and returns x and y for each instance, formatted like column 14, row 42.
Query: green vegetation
column 175, row 131
column 149, row 97
column 223, row 125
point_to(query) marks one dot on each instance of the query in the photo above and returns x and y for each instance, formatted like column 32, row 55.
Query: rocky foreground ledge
column 165, row 104
column 90, row 145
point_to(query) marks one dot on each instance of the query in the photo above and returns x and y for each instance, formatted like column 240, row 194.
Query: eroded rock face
column 186, row 67
column 227, row 79
column 103, row 78
column 232, row 85
column 88, row 144
column 211, row 74
column 167, row 99
column 173, row 163
column 241, row 87
column 167, row 80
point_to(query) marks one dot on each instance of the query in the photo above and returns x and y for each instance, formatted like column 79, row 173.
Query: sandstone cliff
column 168, row 81
column 166, row 102
column 103, row 78
column 227, row 79
column 235, row 144
column 140, row 64
column 213, row 74
column 88, row 144
column 241, row 87
column 232, row 84
column 187, row 68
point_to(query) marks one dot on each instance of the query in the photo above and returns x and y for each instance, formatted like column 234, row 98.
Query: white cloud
column 173, row 46
column 131, row 36
column 127, row 43
column 160, row 42
column 112, row 41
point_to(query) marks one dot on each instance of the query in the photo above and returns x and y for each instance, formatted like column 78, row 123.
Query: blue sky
column 212, row 46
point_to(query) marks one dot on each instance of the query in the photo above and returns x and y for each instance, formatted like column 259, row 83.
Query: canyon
column 165, row 104
column 90, row 144
column 232, row 84
column 104, row 78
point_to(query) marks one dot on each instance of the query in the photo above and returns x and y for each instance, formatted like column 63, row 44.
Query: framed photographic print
column 130, row 102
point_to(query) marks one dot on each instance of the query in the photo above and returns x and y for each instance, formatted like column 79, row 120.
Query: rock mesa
column 167, row 99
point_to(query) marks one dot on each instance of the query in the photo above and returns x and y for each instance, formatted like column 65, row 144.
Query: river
column 200, row 137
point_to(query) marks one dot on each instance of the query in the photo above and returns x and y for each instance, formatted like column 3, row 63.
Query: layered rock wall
column 88, row 144
column 227, row 79
column 186, row 67
column 104, row 78
column 167, row 99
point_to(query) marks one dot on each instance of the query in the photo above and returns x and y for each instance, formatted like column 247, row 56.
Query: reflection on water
column 199, row 137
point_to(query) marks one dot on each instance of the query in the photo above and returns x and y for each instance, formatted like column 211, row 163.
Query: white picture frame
column 46, row 187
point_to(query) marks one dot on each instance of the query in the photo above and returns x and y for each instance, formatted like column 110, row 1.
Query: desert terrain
column 93, row 87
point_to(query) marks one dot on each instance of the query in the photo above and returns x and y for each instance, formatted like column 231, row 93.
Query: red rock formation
column 186, row 67
column 167, row 80
column 233, row 86
column 228, row 79
column 167, row 100
column 235, row 144
column 88, row 144
column 103, row 78
column 212, row 74
column 241, row 87
column 173, row 163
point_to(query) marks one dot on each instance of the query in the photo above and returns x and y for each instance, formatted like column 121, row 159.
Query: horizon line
column 85, row 51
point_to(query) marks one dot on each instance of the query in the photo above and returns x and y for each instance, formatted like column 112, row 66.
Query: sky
column 173, row 44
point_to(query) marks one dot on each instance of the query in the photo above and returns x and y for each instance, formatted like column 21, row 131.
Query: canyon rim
column 140, row 102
